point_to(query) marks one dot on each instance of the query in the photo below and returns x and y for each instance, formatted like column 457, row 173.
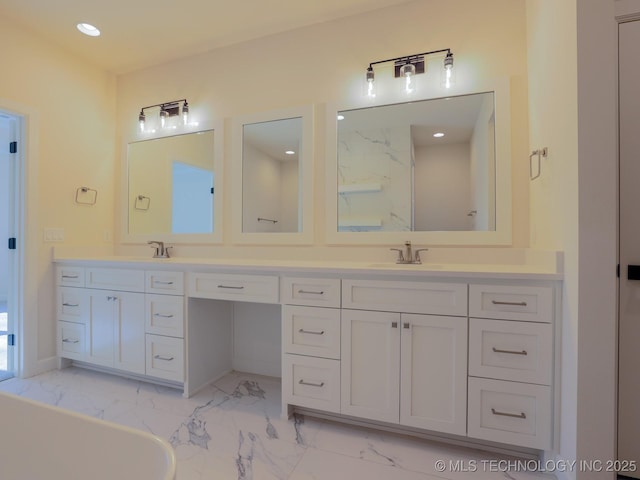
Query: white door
column 129, row 342
column 629, row 306
column 370, row 365
column 433, row 391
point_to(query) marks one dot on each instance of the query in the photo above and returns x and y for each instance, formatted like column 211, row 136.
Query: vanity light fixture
column 409, row 66
column 167, row 110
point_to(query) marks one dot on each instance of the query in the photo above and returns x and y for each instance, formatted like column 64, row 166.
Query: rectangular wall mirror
column 172, row 189
column 272, row 177
column 434, row 170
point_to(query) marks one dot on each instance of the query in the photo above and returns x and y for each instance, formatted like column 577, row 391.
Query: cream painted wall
column 69, row 110
column 573, row 206
column 488, row 39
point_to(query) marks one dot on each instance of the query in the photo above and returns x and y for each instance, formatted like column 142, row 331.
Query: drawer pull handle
column 160, row 357
column 69, row 276
column 311, row 332
column 163, row 315
column 70, row 304
column 311, row 292
column 505, row 414
column 394, row 324
column 512, row 352
column 68, row 340
column 163, row 283
column 514, row 304
column 406, row 325
column 311, row 384
column 112, row 298
column 231, row 287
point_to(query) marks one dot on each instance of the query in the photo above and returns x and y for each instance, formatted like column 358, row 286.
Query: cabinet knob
column 394, row 324
column 406, row 325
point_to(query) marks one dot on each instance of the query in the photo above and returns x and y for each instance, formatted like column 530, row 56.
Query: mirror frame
column 502, row 236
column 218, row 181
column 305, row 176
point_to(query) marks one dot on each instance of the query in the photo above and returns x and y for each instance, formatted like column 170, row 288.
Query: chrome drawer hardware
column 311, row 332
column 70, row 304
column 163, row 315
column 504, row 414
column 406, row 325
column 163, row 283
column 67, row 340
column 512, row 352
column 160, row 357
column 112, row 298
column 302, row 382
column 231, row 287
column 311, row 292
column 515, row 304
column 69, row 276
column 394, row 324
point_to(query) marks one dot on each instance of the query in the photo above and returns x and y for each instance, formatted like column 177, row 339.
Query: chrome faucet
column 160, row 250
column 408, row 256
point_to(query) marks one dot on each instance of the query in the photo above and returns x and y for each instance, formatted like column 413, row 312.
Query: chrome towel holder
column 543, row 152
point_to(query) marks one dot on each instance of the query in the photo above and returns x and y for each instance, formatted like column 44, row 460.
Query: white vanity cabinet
column 106, row 319
column 511, row 352
column 401, row 367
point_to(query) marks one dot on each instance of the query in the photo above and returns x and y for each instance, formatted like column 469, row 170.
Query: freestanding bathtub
column 42, row 442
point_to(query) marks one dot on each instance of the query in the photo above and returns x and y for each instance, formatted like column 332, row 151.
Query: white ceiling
column 141, row 33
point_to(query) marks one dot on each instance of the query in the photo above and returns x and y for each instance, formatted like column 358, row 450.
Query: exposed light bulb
column 448, row 67
column 185, row 113
column 370, row 79
column 141, row 120
column 408, row 70
column 163, row 117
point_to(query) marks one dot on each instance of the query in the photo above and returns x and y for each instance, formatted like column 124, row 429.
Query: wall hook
column 543, row 152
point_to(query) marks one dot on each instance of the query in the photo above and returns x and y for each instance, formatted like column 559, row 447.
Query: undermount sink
column 416, row 266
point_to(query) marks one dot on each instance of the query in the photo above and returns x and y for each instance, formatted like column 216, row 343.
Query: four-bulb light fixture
column 408, row 66
column 167, row 110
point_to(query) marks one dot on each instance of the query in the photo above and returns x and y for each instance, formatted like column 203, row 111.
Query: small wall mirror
column 437, row 170
column 272, row 172
column 172, row 189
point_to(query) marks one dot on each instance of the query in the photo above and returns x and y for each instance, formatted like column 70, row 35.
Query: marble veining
column 233, row 429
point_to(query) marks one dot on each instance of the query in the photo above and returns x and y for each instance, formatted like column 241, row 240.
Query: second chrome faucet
column 408, row 256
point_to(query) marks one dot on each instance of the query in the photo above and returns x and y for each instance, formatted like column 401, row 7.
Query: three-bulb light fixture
column 408, row 67
column 167, row 110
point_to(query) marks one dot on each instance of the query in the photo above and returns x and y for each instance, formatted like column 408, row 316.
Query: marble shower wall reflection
column 375, row 171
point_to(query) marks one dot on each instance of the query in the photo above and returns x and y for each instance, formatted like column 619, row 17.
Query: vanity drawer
column 510, row 412
column 72, row 304
column 311, row 331
column 165, row 357
column 311, row 382
column 71, row 340
column 70, row 276
column 227, row 286
column 115, row 279
column 168, row 283
column 526, row 303
column 164, row 315
column 409, row 297
column 508, row 350
column 314, row 292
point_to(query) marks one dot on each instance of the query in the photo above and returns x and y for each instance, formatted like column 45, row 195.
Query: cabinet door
column 433, row 391
column 129, row 341
column 370, row 367
column 101, row 331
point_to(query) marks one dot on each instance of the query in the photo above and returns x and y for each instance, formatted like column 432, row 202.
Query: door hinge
column 11, row 340
column 13, row 147
column 212, row 190
column 12, row 243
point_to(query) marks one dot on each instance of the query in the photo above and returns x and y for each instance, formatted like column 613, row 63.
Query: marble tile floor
column 233, row 430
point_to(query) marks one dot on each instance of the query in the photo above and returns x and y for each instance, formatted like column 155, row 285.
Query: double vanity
column 465, row 352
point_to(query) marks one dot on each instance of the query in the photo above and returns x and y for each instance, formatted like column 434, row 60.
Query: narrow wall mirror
column 273, row 189
column 172, row 189
column 433, row 170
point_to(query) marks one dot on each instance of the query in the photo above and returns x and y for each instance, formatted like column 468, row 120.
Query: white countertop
column 545, row 271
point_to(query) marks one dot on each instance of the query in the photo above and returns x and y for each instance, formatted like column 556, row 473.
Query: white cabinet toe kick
column 467, row 359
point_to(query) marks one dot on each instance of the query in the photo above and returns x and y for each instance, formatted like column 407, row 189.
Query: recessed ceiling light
column 438, row 135
column 88, row 29
column 340, row 117
column 290, row 152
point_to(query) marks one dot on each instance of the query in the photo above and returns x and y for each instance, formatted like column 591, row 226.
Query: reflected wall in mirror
column 272, row 177
column 421, row 166
column 171, row 185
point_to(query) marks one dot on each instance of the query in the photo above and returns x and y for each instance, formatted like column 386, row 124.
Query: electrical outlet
column 54, row 234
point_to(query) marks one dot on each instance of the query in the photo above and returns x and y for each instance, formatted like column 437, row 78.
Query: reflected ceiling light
column 438, row 135
column 409, row 66
column 340, row 117
column 88, row 29
column 167, row 110
column 290, row 152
